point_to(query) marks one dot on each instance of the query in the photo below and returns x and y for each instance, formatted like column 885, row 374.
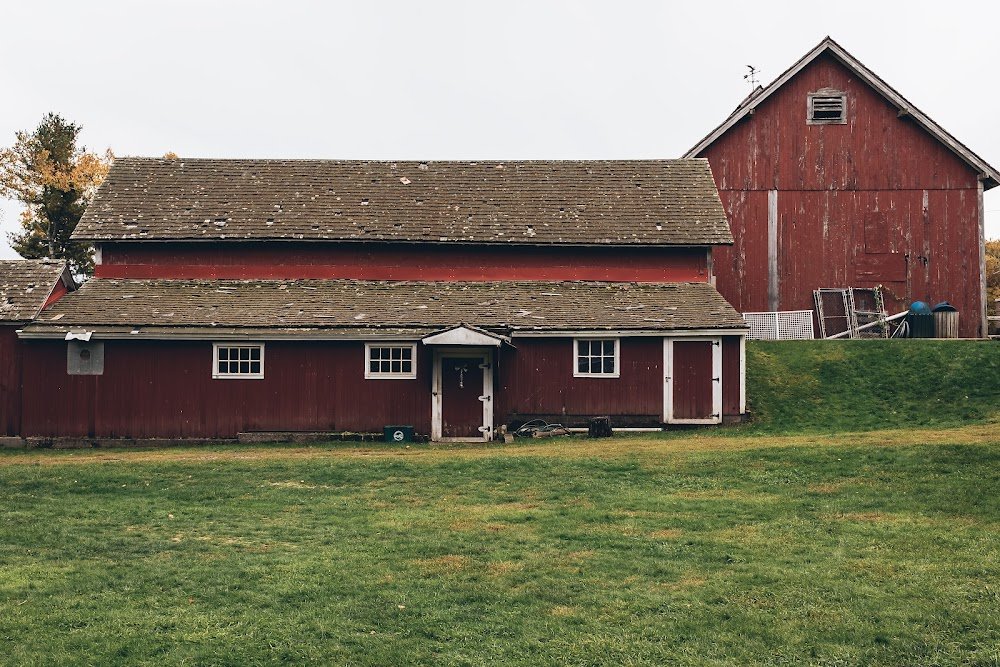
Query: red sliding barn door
column 693, row 381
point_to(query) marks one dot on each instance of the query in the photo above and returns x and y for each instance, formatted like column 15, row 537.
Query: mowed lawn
column 692, row 549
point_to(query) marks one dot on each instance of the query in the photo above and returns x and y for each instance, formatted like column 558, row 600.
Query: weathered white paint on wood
column 485, row 357
column 773, row 294
column 983, row 327
column 668, row 393
column 463, row 336
column 743, row 375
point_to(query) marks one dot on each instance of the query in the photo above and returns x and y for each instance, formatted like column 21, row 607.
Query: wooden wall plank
column 10, row 381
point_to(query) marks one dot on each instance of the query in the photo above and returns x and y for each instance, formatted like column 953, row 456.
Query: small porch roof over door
column 466, row 336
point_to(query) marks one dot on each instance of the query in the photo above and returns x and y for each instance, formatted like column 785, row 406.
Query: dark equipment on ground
column 600, row 427
column 539, row 428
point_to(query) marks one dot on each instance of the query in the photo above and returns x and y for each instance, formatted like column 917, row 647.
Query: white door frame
column 485, row 355
column 668, row 372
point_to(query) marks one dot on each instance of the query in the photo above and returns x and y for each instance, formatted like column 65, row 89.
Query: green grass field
column 829, row 546
column 822, row 386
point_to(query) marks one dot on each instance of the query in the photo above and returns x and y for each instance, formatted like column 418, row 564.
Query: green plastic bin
column 398, row 433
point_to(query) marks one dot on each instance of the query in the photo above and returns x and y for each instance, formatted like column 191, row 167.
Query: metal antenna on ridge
column 751, row 76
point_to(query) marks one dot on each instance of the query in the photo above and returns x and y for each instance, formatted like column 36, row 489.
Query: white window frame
column 370, row 375
column 216, row 375
column 576, row 357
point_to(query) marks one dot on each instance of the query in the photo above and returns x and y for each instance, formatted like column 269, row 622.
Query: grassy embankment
column 818, row 547
column 819, row 386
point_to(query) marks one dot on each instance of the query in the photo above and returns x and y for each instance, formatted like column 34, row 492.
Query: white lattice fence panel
column 784, row 325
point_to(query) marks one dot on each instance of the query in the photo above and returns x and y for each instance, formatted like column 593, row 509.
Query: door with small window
column 693, row 381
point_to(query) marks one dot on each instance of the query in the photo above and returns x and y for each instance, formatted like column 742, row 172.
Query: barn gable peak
column 28, row 286
column 828, row 46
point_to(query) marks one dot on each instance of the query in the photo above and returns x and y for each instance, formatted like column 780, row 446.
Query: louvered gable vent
column 827, row 107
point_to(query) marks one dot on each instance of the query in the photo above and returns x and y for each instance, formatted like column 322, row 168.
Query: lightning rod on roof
column 751, row 76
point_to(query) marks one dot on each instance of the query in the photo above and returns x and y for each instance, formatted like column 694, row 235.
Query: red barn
column 236, row 296
column 27, row 287
column 831, row 178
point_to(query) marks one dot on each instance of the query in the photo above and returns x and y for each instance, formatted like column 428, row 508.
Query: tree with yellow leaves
column 992, row 272
column 55, row 180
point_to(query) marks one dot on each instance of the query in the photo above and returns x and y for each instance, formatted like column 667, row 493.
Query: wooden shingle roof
column 25, row 285
column 650, row 202
column 175, row 306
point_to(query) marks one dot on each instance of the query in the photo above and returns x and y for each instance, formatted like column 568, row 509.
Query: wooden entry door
column 694, row 381
column 462, row 384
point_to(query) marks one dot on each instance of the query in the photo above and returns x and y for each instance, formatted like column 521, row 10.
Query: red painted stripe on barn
column 250, row 252
column 291, row 271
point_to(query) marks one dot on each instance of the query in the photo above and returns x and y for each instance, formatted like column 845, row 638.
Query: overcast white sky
column 461, row 80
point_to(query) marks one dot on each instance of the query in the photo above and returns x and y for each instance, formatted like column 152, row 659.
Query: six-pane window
column 391, row 361
column 239, row 361
column 597, row 357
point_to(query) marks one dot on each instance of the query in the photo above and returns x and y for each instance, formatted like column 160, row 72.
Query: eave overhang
column 306, row 334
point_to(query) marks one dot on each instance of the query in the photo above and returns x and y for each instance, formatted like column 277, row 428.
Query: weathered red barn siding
column 10, row 381
column 875, row 201
column 165, row 389
column 741, row 269
column 400, row 262
column 537, row 379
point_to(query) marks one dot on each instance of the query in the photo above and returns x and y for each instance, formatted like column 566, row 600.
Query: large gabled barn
column 831, row 178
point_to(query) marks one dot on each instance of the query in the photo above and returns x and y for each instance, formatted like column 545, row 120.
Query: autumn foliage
column 992, row 272
column 55, row 180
